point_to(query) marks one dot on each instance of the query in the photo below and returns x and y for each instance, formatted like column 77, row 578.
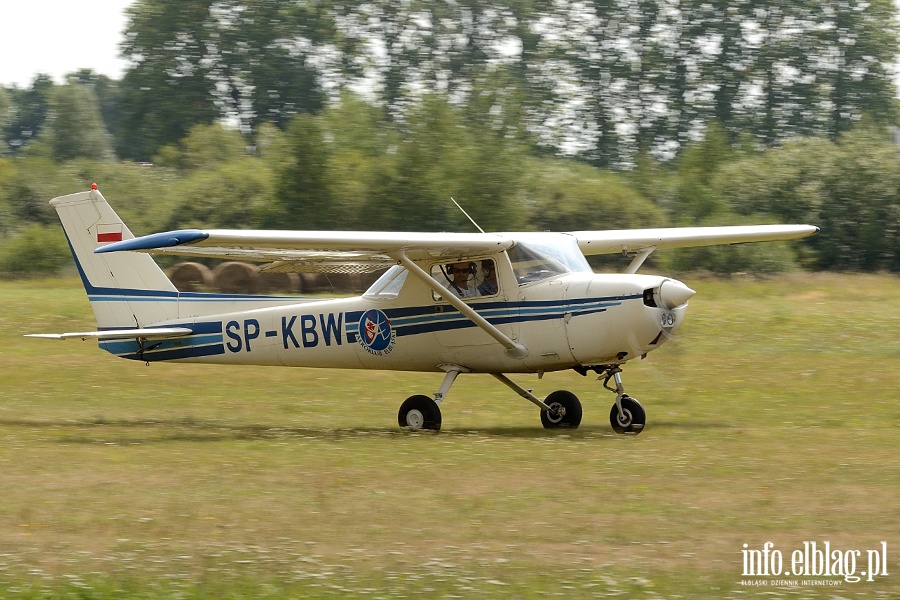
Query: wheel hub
column 557, row 412
column 415, row 419
column 624, row 418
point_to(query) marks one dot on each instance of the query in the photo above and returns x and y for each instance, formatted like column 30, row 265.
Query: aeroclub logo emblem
column 375, row 333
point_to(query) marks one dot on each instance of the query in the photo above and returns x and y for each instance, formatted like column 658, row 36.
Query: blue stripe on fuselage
column 206, row 340
column 427, row 319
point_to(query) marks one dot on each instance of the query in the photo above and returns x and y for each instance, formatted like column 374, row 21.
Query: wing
column 361, row 251
column 330, row 251
column 638, row 240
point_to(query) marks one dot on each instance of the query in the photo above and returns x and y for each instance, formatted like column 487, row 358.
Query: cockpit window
column 389, row 284
column 538, row 257
column 468, row 278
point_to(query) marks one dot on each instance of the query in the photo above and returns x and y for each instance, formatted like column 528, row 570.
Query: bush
column 756, row 259
column 35, row 250
column 565, row 196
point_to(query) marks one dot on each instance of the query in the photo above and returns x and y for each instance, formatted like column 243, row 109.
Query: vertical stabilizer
column 125, row 289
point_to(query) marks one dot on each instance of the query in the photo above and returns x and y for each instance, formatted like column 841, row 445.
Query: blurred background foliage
column 533, row 115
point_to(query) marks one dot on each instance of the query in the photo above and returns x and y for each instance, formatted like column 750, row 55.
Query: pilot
column 488, row 287
column 461, row 272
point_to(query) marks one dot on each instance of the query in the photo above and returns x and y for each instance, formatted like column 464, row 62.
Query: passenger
column 488, row 287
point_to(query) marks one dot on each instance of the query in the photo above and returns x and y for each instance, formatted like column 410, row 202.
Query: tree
column 74, row 126
column 358, row 135
column 168, row 87
column 851, row 189
column 858, row 42
column 31, row 107
column 434, row 156
column 205, row 146
column 109, row 96
column 605, row 81
column 860, row 211
column 269, row 58
column 303, row 199
column 9, row 174
column 6, row 114
column 198, row 61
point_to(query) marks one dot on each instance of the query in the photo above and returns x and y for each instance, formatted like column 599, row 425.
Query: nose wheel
column 627, row 415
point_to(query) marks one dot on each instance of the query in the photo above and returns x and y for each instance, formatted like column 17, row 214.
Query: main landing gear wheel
column 631, row 420
column 419, row 412
column 565, row 410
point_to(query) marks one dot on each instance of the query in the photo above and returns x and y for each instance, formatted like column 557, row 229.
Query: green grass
column 773, row 416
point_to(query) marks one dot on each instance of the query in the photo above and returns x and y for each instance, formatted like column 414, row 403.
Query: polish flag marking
column 109, row 233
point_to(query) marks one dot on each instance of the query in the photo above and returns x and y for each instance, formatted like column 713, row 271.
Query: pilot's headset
column 471, row 270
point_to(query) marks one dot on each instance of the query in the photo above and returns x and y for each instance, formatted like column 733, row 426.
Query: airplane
column 451, row 303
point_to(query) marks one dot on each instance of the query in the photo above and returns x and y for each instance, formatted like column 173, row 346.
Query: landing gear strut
column 627, row 415
column 422, row 412
column 560, row 409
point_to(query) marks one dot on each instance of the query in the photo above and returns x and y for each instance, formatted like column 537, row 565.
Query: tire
column 419, row 412
column 567, row 400
column 635, row 417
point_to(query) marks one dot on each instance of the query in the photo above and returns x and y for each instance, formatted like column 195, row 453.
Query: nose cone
column 673, row 293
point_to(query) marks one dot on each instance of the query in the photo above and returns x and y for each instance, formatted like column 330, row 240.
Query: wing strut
column 513, row 349
column 639, row 259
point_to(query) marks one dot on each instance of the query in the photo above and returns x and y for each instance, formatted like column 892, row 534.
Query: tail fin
column 125, row 289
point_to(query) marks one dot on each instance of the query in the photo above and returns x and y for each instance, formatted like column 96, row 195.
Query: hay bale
column 363, row 281
column 310, row 283
column 237, row 278
column 191, row 277
column 338, row 283
column 279, row 283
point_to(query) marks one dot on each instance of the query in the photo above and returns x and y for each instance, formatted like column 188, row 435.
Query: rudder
column 125, row 289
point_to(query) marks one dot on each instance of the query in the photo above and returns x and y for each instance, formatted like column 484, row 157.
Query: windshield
column 389, row 284
column 536, row 257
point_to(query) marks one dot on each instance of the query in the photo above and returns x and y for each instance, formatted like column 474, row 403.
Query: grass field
column 773, row 417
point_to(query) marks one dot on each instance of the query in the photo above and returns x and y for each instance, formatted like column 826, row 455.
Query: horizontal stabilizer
column 151, row 333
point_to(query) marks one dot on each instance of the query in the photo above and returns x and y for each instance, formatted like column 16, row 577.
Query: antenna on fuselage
column 467, row 215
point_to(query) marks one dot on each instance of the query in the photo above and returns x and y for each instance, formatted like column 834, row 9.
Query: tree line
column 603, row 81
column 541, row 115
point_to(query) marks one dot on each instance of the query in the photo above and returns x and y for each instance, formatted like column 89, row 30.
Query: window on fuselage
column 467, row 279
column 388, row 285
column 542, row 256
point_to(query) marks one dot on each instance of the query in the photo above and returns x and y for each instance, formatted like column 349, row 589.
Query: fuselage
column 565, row 320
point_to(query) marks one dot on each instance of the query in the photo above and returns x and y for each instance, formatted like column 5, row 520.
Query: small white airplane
column 455, row 303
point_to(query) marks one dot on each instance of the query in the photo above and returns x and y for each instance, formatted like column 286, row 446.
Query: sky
column 61, row 36
column 57, row 37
